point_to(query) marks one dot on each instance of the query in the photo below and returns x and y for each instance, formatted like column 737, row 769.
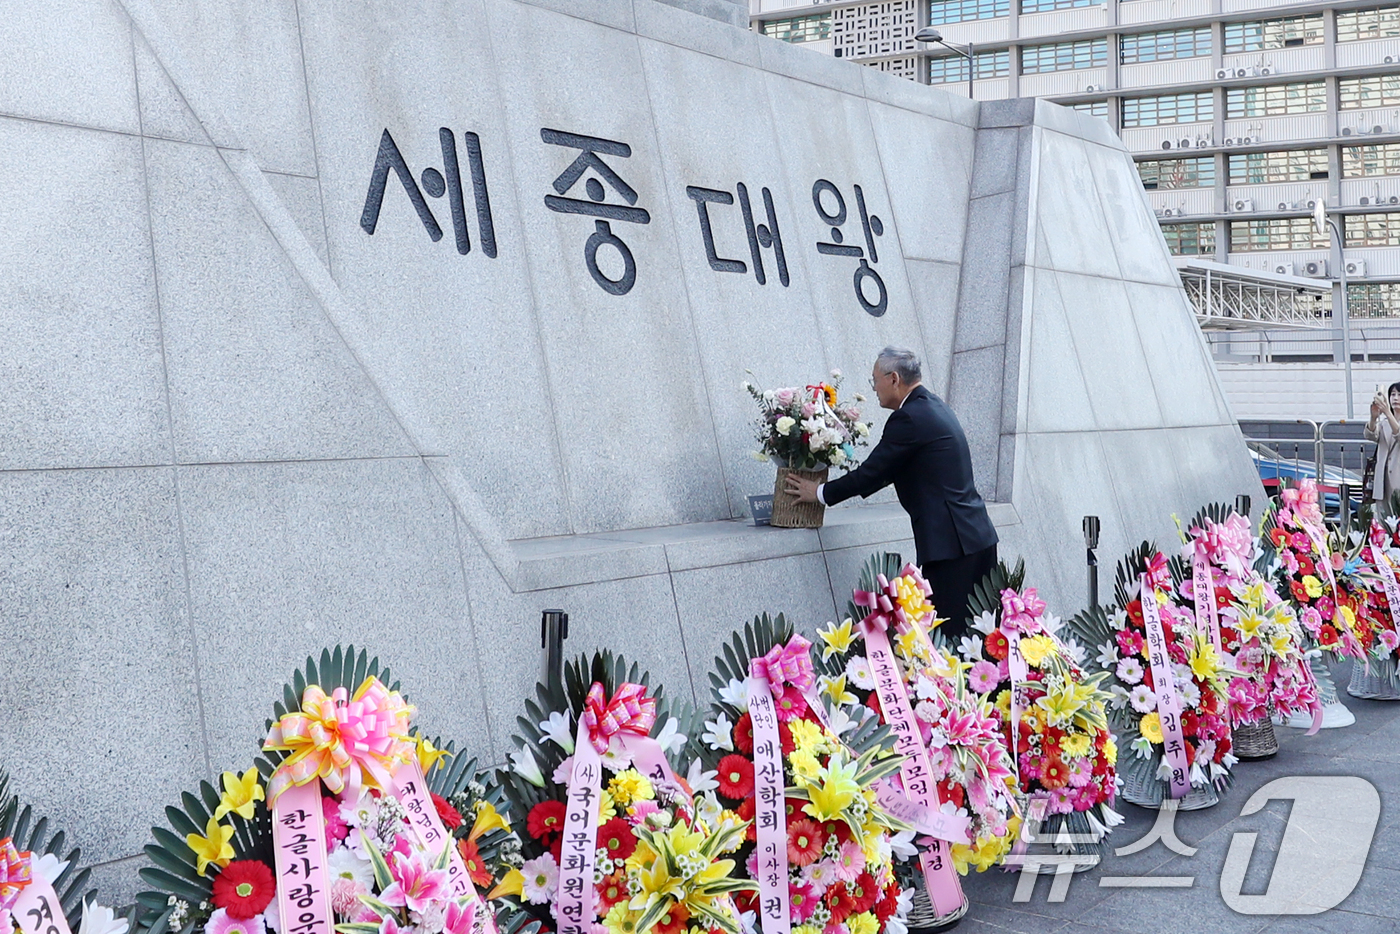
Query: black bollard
column 554, row 629
column 1091, row 541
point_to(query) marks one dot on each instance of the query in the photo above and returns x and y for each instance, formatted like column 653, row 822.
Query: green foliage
column 32, row 835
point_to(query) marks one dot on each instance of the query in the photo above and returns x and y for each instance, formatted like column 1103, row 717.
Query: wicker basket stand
column 1374, row 679
column 788, row 513
column 1252, row 742
column 1151, row 793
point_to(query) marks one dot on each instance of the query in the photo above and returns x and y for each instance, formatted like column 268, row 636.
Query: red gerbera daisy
column 805, row 841
column 476, row 866
column 743, row 735
column 546, row 820
column 244, row 888
column 746, row 810
column 451, row 817
column 616, row 837
column 612, row 890
column 997, row 645
column 673, row 921
column 840, row 901
column 735, row 777
column 864, row 890
column 887, row 906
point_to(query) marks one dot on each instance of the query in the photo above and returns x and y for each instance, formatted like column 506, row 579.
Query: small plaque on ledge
column 762, row 508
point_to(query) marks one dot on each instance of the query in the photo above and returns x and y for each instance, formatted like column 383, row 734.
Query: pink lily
column 415, row 885
column 459, row 919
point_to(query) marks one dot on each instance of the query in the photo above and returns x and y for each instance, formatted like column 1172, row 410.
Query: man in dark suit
column 924, row 453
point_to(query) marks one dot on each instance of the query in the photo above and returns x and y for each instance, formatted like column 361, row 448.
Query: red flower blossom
column 953, row 791
column 743, row 735
column 244, row 888
column 612, row 890
column 1279, row 537
column 872, row 700
column 1327, row 635
column 616, row 837
column 805, row 841
column 546, row 821
column 746, row 810
column 785, row 738
column 889, row 904
column 673, row 921
column 791, row 704
column 451, row 817
column 840, row 901
column 838, row 829
column 1300, row 593
column 996, row 644
column 735, row 777
column 865, row 891
column 475, row 865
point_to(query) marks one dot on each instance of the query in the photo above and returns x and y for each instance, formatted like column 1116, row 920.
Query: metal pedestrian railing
column 1333, row 452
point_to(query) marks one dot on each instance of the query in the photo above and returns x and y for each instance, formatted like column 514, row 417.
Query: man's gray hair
column 901, row 361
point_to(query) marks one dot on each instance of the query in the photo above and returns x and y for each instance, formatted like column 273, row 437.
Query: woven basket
column 921, row 916
column 1076, row 826
column 1150, row 793
column 1254, row 741
column 1379, row 682
column 788, row 513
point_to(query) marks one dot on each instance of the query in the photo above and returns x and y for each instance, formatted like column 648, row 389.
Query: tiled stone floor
column 1369, row 749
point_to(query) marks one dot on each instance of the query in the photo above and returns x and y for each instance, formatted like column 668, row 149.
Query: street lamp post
column 929, row 34
column 1323, row 223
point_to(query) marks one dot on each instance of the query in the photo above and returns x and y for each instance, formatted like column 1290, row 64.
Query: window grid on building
column 1094, row 108
column 1379, row 23
column 1167, row 109
column 1166, row 174
column 1276, row 99
column 1287, row 233
column 1375, row 91
column 881, row 28
column 799, row 28
column 1293, row 165
column 962, row 11
column 1160, row 46
column 1064, row 56
column 1261, row 35
column 1374, row 300
column 1190, row 239
column 1044, row 6
column 1366, row 161
column 1373, row 229
column 948, row 69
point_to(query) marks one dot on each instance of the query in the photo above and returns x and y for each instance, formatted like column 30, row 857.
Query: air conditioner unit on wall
column 1283, row 206
column 1347, row 131
column 1091, row 88
column 1243, row 205
column 1241, row 72
column 1284, row 269
column 1356, row 267
column 1267, row 70
column 1315, row 268
column 1185, row 143
column 1167, row 144
column 1391, row 59
column 1393, row 199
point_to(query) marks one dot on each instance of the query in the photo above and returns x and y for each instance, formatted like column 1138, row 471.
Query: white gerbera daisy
column 859, row 671
column 1142, row 699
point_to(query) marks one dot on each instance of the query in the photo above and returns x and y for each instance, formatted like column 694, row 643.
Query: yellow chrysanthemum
column 806, row 734
column 630, row 786
column 1110, row 752
column 1150, row 726
column 607, row 808
column 863, row 923
column 1312, row 585
column 805, row 766
column 1004, row 704
column 1076, row 745
column 1036, row 649
column 621, row 920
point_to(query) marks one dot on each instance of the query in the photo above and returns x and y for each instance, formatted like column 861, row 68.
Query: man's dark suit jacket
column 924, row 453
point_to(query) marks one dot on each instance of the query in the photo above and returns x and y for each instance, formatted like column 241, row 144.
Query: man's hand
column 804, row 490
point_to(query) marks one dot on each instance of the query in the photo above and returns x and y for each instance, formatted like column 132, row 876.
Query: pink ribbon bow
column 1021, row 612
column 15, row 874
column 1157, row 573
column 629, row 711
column 786, row 664
column 881, row 603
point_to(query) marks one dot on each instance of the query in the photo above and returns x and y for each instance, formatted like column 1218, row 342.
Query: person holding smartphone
column 1384, row 429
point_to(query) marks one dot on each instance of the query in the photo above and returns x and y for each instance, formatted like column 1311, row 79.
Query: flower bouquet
column 1169, row 685
column 615, row 839
column 946, row 730
column 1367, row 582
column 806, row 431
column 42, row 890
column 824, row 847
column 1065, row 754
column 336, row 828
column 1257, row 631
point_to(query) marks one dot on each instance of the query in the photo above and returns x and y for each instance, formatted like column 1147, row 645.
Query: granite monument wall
column 398, row 323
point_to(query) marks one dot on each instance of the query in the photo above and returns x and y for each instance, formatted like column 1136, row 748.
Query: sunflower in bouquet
column 37, row 874
column 1065, row 754
column 830, row 848
column 1306, row 568
column 1255, row 628
column 350, row 819
column 615, row 838
column 1140, row 712
column 972, row 768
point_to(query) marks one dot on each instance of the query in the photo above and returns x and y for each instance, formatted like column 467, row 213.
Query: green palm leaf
column 17, row 822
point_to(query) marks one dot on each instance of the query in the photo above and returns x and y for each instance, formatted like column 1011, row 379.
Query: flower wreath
column 357, row 824
column 1380, row 553
column 598, row 779
column 971, row 767
column 1122, row 636
column 36, row 875
column 1255, row 628
column 823, row 848
column 1065, row 752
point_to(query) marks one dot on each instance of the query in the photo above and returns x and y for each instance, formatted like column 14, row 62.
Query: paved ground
column 1369, row 750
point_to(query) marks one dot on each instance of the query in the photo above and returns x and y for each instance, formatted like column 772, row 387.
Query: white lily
column 671, row 739
column 99, row 919
column 558, row 729
column 699, row 780
column 902, row 845
column 50, row 867
column 524, row 765
column 735, row 694
column 719, row 733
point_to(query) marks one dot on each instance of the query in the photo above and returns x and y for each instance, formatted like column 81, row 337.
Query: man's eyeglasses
column 874, row 380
